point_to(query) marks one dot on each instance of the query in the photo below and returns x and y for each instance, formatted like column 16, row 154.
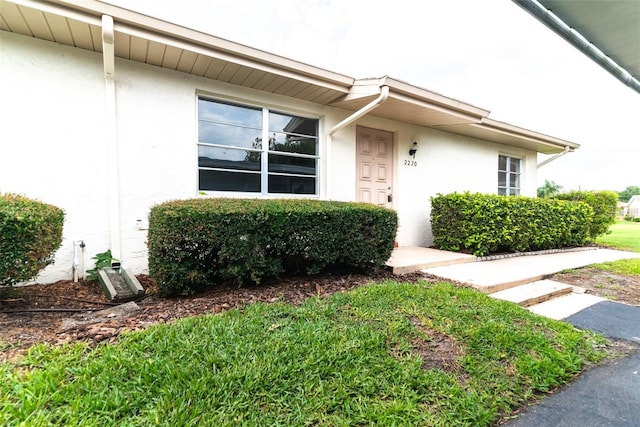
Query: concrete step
column 408, row 259
column 533, row 293
column 566, row 305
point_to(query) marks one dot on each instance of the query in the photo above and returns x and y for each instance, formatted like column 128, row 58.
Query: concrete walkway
column 493, row 276
column 520, row 279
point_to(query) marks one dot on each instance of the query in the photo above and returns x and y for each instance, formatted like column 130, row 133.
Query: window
column 509, row 169
column 232, row 156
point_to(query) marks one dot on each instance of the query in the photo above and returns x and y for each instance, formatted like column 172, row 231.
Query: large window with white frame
column 232, row 155
column 509, row 171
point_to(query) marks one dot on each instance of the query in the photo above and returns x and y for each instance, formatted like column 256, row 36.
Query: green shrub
column 604, row 205
column 486, row 223
column 30, row 233
column 204, row 241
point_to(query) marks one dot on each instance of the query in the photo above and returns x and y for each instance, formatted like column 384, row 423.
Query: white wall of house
column 53, row 147
column 633, row 207
column 52, row 137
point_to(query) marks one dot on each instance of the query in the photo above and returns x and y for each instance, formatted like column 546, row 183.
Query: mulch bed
column 41, row 313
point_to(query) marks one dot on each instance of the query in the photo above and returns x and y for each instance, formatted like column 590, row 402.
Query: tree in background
column 626, row 194
column 549, row 188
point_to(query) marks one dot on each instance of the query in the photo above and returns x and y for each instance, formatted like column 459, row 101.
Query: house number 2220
column 410, row 163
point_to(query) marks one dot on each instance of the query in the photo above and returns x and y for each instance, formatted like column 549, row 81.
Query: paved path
column 493, row 276
column 605, row 396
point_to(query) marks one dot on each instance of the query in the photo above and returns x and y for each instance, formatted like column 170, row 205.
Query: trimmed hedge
column 30, row 233
column 486, row 223
column 201, row 242
column 604, row 205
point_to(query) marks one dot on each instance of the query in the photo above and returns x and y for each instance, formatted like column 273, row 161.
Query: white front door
column 374, row 162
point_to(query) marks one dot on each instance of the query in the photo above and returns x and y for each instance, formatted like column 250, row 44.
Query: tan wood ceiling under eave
column 407, row 110
column 53, row 22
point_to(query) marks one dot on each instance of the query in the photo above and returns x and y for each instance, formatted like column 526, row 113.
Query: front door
column 374, row 162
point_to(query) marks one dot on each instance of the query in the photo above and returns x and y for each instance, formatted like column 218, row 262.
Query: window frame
column 507, row 189
column 265, row 151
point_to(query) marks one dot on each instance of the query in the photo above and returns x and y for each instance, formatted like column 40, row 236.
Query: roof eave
column 406, row 103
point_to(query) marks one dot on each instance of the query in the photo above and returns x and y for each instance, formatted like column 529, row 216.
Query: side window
column 233, row 157
column 509, row 170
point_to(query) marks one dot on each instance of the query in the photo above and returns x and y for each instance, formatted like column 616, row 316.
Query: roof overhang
column 148, row 40
column 606, row 31
column 152, row 41
column 411, row 104
column 506, row 134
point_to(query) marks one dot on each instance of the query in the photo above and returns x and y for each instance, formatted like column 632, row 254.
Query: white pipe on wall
column 108, row 57
column 78, row 256
column 565, row 151
column 76, row 263
column 384, row 94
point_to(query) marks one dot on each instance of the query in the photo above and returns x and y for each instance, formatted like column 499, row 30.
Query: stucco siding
column 52, row 137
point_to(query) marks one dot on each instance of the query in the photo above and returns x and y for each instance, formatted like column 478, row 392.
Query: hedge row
column 30, row 233
column 603, row 203
column 485, row 223
column 202, row 242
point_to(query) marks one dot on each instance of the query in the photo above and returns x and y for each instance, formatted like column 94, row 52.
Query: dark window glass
column 502, row 179
column 502, row 163
column 214, row 180
column 292, row 144
column 508, row 175
column 291, row 184
column 289, row 124
column 292, row 165
column 231, row 152
column 228, row 158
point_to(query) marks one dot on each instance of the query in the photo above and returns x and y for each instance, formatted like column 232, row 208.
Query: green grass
column 625, row 267
column 350, row 359
column 622, row 235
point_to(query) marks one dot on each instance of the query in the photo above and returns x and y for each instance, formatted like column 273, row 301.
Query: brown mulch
column 57, row 313
column 612, row 286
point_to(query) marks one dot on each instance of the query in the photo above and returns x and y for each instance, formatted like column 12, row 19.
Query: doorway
column 374, row 163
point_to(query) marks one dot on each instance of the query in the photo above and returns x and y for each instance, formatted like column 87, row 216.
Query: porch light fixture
column 414, row 149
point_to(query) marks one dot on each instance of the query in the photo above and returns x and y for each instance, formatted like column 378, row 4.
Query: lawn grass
column 349, row 359
column 623, row 235
column 625, row 267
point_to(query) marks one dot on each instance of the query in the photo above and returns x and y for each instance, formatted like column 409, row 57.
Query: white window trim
column 266, row 108
column 520, row 174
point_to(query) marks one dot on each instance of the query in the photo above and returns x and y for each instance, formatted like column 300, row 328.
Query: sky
column 488, row 53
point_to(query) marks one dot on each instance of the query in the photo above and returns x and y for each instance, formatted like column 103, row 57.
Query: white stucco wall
column 51, row 137
column 53, row 147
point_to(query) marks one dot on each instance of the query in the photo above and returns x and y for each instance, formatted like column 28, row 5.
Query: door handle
column 389, row 198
